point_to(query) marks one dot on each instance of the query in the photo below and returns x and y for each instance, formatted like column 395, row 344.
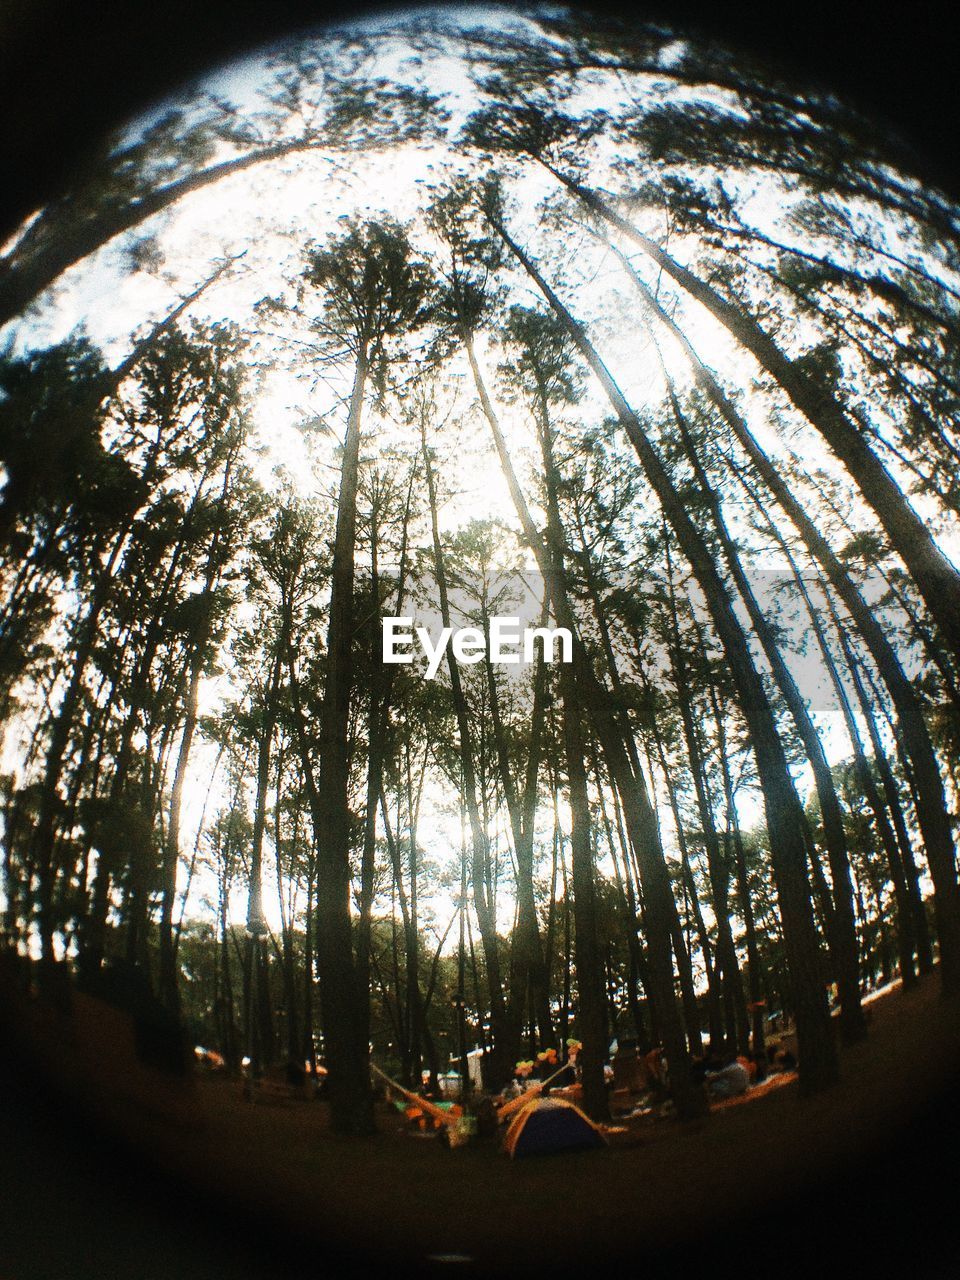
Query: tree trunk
column 842, row 927
column 932, row 813
column 906, row 937
column 936, row 578
column 500, row 1064
column 341, row 999
column 818, row 1054
column 641, row 823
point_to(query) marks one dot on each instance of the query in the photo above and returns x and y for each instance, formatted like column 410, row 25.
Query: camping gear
column 414, row 1112
column 459, row 1128
column 547, row 1125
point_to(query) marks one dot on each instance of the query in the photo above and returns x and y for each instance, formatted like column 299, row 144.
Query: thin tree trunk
column 936, row 578
column 641, row 822
column 906, row 936
column 499, row 1062
column 342, row 1000
column 842, row 929
column 932, row 813
column 818, row 1053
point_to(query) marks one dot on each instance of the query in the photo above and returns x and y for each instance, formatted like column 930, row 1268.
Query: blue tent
column 548, row 1125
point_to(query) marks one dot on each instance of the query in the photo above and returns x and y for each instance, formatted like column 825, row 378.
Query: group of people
column 728, row 1075
column 723, row 1074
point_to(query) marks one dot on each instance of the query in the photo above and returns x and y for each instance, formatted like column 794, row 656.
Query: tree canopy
column 453, row 317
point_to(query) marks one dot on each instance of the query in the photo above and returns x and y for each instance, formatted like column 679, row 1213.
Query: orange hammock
column 451, row 1117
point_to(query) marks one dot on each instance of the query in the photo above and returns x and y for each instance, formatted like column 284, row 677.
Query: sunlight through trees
column 454, row 317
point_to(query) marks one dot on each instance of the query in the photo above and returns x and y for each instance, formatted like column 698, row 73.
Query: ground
column 265, row 1190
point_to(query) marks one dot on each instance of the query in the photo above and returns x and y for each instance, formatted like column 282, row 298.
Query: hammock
column 459, row 1127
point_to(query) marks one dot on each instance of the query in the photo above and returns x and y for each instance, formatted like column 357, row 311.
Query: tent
column 548, row 1125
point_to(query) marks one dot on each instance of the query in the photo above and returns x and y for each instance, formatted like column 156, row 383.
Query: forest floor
column 399, row 1197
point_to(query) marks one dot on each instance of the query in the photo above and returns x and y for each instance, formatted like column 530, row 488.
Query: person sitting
column 730, row 1081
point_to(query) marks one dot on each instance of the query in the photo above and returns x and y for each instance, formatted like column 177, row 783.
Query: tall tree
column 372, row 290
